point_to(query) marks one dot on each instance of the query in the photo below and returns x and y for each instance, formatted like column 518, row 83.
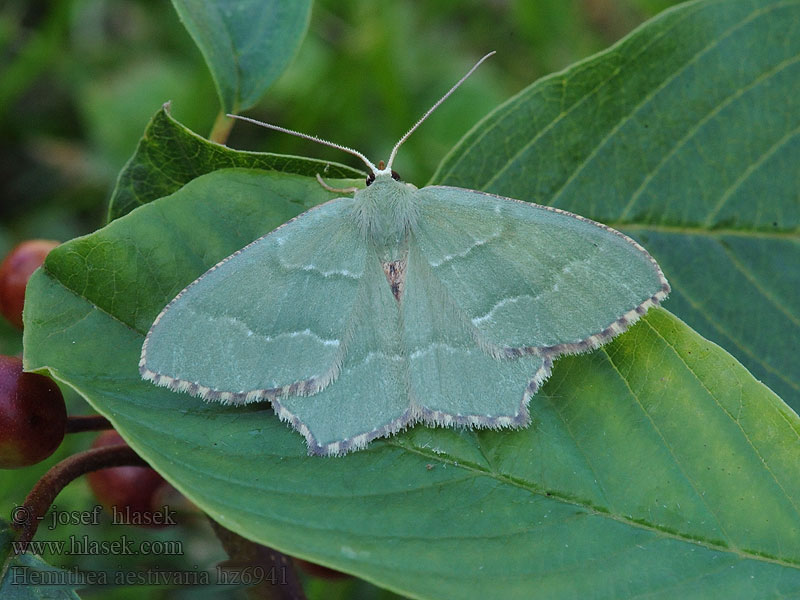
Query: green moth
column 399, row 305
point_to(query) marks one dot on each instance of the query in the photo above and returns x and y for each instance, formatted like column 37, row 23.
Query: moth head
column 383, row 171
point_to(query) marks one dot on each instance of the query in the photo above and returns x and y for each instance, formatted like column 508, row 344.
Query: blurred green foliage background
column 79, row 80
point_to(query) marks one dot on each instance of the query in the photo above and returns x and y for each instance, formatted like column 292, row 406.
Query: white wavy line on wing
column 498, row 305
column 477, row 243
column 291, row 334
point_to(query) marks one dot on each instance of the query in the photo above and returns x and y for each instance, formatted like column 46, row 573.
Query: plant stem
column 80, row 423
column 27, row 517
column 280, row 582
column 221, row 129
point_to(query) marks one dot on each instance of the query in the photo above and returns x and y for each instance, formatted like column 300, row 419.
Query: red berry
column 15, row 271
column 33, row 416
column 134, row 495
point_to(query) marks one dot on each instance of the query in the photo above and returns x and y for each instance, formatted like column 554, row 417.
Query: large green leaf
column 169, row 155
column 655, row 466
column 685, row 135
column 246, row 43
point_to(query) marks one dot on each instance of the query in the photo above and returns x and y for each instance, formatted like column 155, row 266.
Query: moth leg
column 347, row 190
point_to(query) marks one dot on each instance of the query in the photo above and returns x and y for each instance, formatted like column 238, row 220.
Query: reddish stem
column 28, row 516
column 80, row 423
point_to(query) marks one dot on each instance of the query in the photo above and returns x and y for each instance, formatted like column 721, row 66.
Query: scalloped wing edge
column 416, row 415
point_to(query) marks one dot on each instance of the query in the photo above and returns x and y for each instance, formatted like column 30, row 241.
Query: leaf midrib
column 637, row 523
column 594, row 510
column 791, row 234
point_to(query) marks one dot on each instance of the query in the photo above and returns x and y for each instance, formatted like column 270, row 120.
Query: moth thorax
column 386, row 212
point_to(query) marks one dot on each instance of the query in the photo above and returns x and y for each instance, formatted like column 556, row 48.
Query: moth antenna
column 433, row 108
column 313, row 138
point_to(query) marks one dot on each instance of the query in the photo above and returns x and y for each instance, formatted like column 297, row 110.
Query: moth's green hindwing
column 369, row 398
column 453, row 377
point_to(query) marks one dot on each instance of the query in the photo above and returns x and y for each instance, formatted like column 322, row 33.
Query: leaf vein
column 733, row 419
column 626, row 118
column 734, row 96
column 746, row 173
column 669, row 448
column 757, row 284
